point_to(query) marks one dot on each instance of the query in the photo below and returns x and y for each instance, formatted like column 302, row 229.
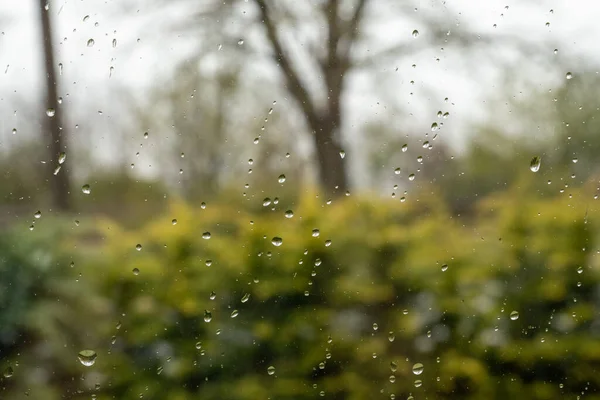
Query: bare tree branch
column 294, row 84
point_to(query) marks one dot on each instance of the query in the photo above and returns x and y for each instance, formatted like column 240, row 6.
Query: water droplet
column 397, row 171
column 198, row 345
column 575, row 160
column 547, row 24
column 444, row 267
column 434, row 127
column 14, row 131
column 174, row 221
column 277, row 241
column 514, row 315
column 207, row 316
column 114, row 43
column 420, row 159
column 392, row 378
column 281, row 178
column 136, row 271
column 418, row 383
column 87, row 357
column 417, row 369
column 415, row 33
column 327, row 243
column 535, row 163
column 289, row 214
column 321, row 365
column 393, row 366
column 138, row 247
column 569, row 75
column 271, row 370
column 86, row 18
column 555, row 51
column 580, row 270
column 234, row 313
column 266, row 202
column 342, row 154
column 404, row 148
column 375, row 326
column 246, row 298
column 86, row 189
column 51, row 112
column 62, row 157
column 8, row 372
column 38, row 214
column 240, row 42
column 203, row 205
column 145, row 135
column 206, row 235
column 411, row 177
column 159, row 370
column 208, row 263
column 90, row 42
column 315, row 233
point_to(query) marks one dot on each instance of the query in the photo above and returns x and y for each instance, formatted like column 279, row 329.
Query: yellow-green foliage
column 322, row 315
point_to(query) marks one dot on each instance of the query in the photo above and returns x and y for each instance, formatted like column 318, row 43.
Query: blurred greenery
column 399, row 283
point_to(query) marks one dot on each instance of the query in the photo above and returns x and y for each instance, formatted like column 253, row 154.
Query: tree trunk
column 331, row 165
column 59, row 183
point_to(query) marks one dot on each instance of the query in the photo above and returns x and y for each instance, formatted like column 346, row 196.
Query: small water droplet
column 174, row 221
column 417, row 369
column 535, row 163
column 90, row 42
column 397, row 171
column 415, row 33
column 62, row 157
column 281, row 178
column 580, row 270
column 514, row 315
column 315, row 233
column 87, row 357
column 411, row 177
column 391, row 336
column 114, row 43
column 569, row 75
column 342, row 154
column 434, row 127
column 136, row 271
column 51, row 112
column 8, row 372
column 206, row 235
column 271, row 370
column 404, row 148
column 575, row 160
column 277, row 241
column 266, row 202
column 245, row 298
column 207, row 316
column 393, row 366
column 38, row 214
column 392, row 378
column 418, row 383
column 86, row 189
column 444, row 267
column 289, row 214
column 159, row 370
column 14, row 131
column 234, row 313
column 240, row 42
column 145, row 135
column 138, row 247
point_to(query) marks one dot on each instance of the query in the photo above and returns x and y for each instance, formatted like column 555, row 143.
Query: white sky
column 86, row 84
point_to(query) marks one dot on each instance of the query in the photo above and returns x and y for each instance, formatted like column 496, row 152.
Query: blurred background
column 260, row 199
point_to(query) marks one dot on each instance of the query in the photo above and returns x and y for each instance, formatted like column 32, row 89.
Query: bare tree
column 59, row 182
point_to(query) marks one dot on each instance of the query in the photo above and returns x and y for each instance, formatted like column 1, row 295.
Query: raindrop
column 397, row 171
column 240, row 42
column 266, row 202
column 87, row 357
column 271, row 370
column 62, row 157
column 138, row 247
column 8, row 372
column 289, row 214
column 555, row 51
column 569, row 75
column 535, row 163
column 434, row 127
column 86, row 18
column 207, row 316
column 444, row 267
column 86, row 189
column 392, row 378
column 342, row 154
column 418, row 383
column 375, row 326
column 159, row 370
column 212, row 295
column 206, row 235
column 198, row 345
column 234, row 313
column 415, row 33
column 417, row 369
column 246, row 298
column 90, row 43
column 136, row 271
column 411, row 177
column 575, row 160
column 174, row 221
column 51, row 112
column 315, row 233
column 14, row 131
column 391, row 336
column 404, row 148
column 277, row 241
column 393, row 366
column 145, row 135
column 37, row 214
column 114, row 43
column 281, row 178
column 327, row 243
column 580, row 270
column 514, row 315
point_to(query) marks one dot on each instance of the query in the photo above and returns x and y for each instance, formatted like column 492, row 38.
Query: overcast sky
column 146, row 53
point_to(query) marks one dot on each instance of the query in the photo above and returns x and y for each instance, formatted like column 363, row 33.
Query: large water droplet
column 90, row 42
column 38, row 214
column 277, row 241
column 289, row 214
column 207, row 316
column 234, row 313
column 206, row 235
column 535, row 163
column 245, row 298
column 136, row 271
column 87, row 357
column 281, row 178
column 415, row 33
column 51, row 112
column 271, row 370
column 569, row 75
column 404, row 148
column 316, row 232
column 434, row 127
column 417, row 369
column 62, row 157
column 514, row 315
column 444, row 267
column 86, row 189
